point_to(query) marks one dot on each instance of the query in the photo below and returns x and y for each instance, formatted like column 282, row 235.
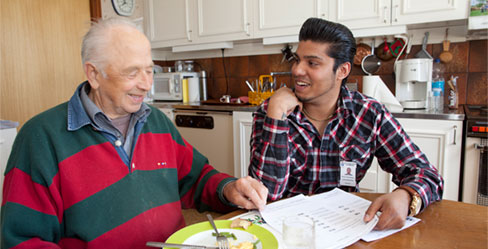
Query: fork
column 222, row 241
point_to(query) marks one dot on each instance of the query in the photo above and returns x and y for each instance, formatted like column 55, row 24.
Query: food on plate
column 240, row 223
column 243, row 245
column 226, row 234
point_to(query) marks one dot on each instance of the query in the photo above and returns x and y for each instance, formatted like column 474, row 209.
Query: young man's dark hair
column 342, row 43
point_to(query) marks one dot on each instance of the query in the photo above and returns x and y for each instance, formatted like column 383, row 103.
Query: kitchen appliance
column 475, row 167
column 168, row 86
column 201, row 128
column 413, row 78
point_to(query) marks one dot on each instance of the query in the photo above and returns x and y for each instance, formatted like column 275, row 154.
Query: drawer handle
column 454, row 139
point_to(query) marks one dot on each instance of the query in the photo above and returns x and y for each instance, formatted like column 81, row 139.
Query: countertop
column 446, row 114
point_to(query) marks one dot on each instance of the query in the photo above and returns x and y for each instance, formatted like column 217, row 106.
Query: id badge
column 348, row 174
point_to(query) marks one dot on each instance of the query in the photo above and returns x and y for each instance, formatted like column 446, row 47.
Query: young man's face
column 313, row 73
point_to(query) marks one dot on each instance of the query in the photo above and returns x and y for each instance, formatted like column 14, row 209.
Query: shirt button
column 133, row 165
column 118, row 143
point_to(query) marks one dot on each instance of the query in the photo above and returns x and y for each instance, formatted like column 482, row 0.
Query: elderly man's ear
column 92, row 74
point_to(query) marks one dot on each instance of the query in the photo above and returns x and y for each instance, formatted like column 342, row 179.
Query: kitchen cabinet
column 168, row 22
column 381, row 13
column 182, row 22
column 242, row 129
column 222, row 20
column 440, row 140
column 285, row 17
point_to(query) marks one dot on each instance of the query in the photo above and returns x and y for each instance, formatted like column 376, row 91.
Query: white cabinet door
column 440, row 140
column 222, row 20
column 242, row 125
column 419, row 11
column 285, row 17
column 360, row 14
column 377, row 13
column 168, row 22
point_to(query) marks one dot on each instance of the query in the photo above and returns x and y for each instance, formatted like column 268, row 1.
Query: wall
column 469, row 63
column 40, row 59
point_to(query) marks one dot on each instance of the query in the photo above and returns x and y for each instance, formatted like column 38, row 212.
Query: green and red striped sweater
column 70, row 189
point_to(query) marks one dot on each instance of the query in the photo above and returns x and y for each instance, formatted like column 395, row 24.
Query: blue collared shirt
column 82, row 111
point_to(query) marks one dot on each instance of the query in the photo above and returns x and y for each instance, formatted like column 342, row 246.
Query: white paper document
column 338, row 216
column 375, row 235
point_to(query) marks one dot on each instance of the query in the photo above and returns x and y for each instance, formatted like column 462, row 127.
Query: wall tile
column 217, row 67
column 237, row 66
column 478, row 56
column 477, row 93
column 258, row 65
column 460, row 55
column 468, row 56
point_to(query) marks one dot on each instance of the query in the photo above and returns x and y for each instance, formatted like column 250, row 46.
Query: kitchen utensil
column 287, row 53
column 179, row 66
column 249, row 85
column 221, row 240
column 409, row 46
column 423, row 52
column 362, row 50
column 162, row 244
column 397, row 46
column 405, row 41
column 383, row 51
column 225, row 99
column 370, row 63
column 446, row 56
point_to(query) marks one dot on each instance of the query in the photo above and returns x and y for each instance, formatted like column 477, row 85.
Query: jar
column 179, row 66
column 189, row 66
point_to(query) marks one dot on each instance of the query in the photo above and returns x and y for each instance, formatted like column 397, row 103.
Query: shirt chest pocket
column 358, row 153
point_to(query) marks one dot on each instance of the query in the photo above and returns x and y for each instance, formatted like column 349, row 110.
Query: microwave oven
column 169, row 86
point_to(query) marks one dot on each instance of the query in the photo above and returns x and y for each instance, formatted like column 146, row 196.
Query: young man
column 305, row 139
column 105, row 170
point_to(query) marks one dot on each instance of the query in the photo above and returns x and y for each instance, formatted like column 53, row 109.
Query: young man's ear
column 92, row 74
column 343, row 71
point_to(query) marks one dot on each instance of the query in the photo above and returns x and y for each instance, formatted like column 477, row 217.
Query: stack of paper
column 338, row 216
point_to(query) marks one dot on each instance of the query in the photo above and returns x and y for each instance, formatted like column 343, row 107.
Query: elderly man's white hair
column 95, row 41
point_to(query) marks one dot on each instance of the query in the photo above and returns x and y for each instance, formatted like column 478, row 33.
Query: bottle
column 453, row 93
column 203, row 88
column 437, row 86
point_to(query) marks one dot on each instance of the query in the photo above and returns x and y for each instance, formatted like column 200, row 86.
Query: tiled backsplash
column 469, row 64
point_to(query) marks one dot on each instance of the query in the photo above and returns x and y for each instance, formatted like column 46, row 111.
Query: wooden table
column 445, row 224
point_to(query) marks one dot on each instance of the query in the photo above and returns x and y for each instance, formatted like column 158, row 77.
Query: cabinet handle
column 454, row 139
column 187, row 19
column 384, row 14
column 395, row 12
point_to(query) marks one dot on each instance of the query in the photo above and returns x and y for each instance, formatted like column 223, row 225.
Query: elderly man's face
column 129, row 74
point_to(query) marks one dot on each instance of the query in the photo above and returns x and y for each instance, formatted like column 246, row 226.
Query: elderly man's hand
column 394, row 210
column 246, row 192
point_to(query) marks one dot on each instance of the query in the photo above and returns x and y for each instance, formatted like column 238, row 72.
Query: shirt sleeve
column 270, row 160
column 398, row 155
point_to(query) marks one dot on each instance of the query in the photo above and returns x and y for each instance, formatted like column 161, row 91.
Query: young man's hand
column 281, row 103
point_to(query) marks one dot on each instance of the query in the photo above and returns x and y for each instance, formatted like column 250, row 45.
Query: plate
column 201, row 234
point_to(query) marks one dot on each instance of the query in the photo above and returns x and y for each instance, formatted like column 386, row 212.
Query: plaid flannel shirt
column 290, row 156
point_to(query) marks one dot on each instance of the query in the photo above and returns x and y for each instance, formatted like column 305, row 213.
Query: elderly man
column 105, row 170
column 320, row 135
